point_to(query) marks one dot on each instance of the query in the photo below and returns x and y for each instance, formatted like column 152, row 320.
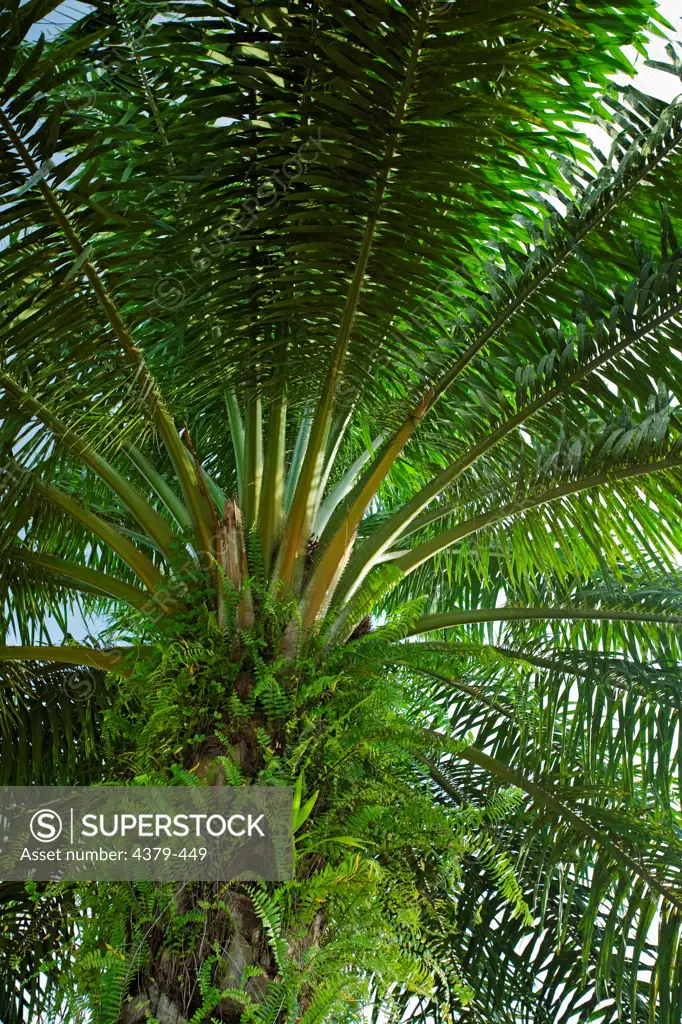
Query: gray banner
column 109, row 833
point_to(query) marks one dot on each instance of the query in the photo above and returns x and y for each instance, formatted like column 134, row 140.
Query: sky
column 657, row 83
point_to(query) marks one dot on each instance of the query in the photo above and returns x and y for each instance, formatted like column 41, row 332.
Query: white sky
column 657, row 83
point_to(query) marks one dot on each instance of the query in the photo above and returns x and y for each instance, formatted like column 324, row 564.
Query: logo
column 46, row 826
column 79, row 685
column 169, row 292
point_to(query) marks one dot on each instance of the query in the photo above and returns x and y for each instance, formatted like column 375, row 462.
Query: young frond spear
column 340, row 377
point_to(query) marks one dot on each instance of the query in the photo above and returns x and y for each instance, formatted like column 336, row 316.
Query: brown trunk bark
column 169, row 989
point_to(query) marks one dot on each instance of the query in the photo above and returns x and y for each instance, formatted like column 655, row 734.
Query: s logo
column 46, row 826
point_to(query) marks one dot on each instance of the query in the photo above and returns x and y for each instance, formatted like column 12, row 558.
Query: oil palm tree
column 339, row 395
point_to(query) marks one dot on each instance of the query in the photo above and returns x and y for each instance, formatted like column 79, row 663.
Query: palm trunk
column 174, row 984
column 230, row 941
column 224, row 937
